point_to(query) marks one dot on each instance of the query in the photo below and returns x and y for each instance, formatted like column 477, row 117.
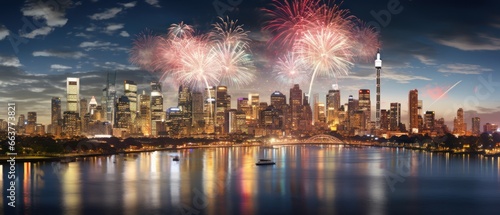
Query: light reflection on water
column 305, row 180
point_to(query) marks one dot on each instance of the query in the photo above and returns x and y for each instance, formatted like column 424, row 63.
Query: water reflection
column 305, row 180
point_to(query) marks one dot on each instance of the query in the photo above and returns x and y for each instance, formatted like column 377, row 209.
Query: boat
column 265, row 162
column 176, row 158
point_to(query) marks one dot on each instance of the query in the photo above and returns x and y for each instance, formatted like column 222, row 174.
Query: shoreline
column 70, row 157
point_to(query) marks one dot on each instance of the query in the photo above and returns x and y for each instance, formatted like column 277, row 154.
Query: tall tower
column 365, row 106
column 110, row 97
column 157, row 113
column 413, row 110
column 378, row 66
column 55, row 114
column 130, row 90
column 72, row 94
column 295, row 105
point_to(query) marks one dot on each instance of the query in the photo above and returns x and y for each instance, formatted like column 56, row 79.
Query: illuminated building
column 31, row 125
column 384, row 120
column 278, row 99
column 332, row 108
column 209, row 109
column 378, row 66
column 145, row 113
column 395, row 116
column 197, row 111
column 72, row 94
column 55, row 115
column 83, row 107
column 92, row 106
column 490, row 128
column 157, row 113
column 413, row 110
column 130, row 90
column 459, row 126
column 253, row 98
column 110, row 98
column 295, row 106
column 365, row 105
column 476, row 126
column 71, row 123
column 123, row 114
column 222, row 105
column 429, row 120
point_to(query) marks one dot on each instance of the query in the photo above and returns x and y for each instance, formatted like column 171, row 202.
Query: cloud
column 38, row 32
column 111, row 28
column 104, row 46
column 114, row 65
column 11, row 61
column 59, row 54
column 465, row 69
column 59, row 67
column 108, row 14
column 399, row 74
column 124, row 34
column 53, row 12
column 84, row 35
column 153, row 3
column 425, row 60
column 4, row 32
column 477, row 42
column 129, row 5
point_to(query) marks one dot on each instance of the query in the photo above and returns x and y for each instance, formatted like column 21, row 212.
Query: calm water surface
column 305, row 180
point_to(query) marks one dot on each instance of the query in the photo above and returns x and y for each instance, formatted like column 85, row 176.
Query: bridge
column 320, row 139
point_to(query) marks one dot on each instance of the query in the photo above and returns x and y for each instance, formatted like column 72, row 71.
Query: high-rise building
column 92, row 106
column 197, row 109
column 83, row 107
column 71, row 123
column 365, row 105
column 145, row 113
column 209, row 109
column 110, row 97
column 123, row 114
column 384, row 119
column 31, row 118
column 72, row 94
column 55, row 113
column 429, row 121
column 223, row 104
column 295, row 106
column 490, row 128
column 459, row 127
column 21, row 121
column 231, row 123
column 320, row 107
column 130, row 90
column 332, row 106
column 157, row 113
column 378, row 66
column 395, row 116
column 278, row 99
column 476, row 126
column 253, row 98
column 413, row 110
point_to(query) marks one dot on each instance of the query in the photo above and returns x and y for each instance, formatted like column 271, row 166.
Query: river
column 310, row 179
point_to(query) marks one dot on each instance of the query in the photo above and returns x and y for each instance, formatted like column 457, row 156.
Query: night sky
column 426, row 45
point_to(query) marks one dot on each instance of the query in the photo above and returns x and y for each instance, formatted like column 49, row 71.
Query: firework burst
column 290, row 70
column 289, row 20
column 180, row 30
column 228, row 31
column 143, row 51
column 366, row 42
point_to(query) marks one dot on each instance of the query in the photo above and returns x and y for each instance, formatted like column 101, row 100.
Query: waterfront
column 310, row 179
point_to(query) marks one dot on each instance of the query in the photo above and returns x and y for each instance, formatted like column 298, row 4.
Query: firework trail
column 445, row 92
column 180, row 30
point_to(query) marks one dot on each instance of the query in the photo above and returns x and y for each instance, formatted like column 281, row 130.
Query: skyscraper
column 459, row 127
column 253, row 98
column 365, row 105
column 413, row 110
column 130, row 90
column 123, row 114
column 429, row 119
column 209, row 109
column 476, row 126
column 378, row 66
column 83, row 107
column 55, row 113
column 92, row 105
column 157, row 113
column 278, row 100
column 223, row 104
column 295, row 105
column 145, row 113
column 110, row 97
column 332, row 107
column 197, row 108
column 384, row 120
column 395, row 116
column 72, row 94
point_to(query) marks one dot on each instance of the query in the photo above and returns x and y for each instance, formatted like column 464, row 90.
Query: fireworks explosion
column 290, row 70
column 142, row 53
column 324, row 37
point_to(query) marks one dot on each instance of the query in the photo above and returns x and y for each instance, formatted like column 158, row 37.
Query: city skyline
column 66, row 45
